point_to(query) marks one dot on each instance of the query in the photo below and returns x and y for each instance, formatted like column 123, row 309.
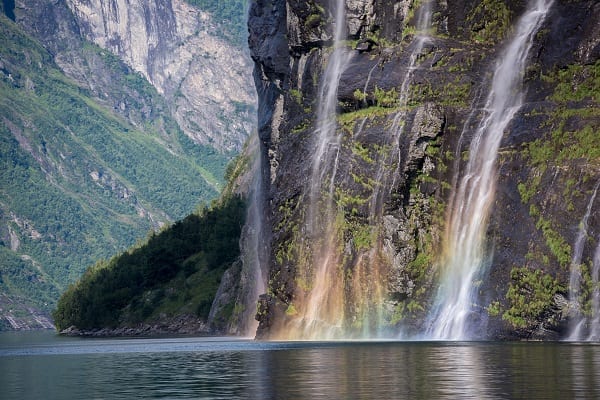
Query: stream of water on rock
column 466, row 257
column 579, row 322
column 321, row 308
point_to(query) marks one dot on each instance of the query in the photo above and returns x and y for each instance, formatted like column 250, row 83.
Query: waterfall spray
column 253, row 246
column 578, row 323
column 465, row 258
column 320, row 309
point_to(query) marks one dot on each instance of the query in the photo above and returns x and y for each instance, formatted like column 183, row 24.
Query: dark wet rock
column 445, row 104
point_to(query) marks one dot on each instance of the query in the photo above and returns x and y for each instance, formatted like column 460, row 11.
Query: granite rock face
column 175, row 46
column 548, row 163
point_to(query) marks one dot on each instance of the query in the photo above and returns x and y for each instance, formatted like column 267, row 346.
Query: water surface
column 44, row 366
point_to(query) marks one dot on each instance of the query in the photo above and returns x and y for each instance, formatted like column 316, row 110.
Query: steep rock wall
column 178, row 49
column 548, row 161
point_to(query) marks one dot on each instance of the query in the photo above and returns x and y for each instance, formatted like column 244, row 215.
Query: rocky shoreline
column 184, row 325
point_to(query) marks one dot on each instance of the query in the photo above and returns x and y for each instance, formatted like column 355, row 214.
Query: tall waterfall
column 254, row 251
column 575, row 277
column 397, row 126
column 370, row 266
column 321, row 311
column 465, row 259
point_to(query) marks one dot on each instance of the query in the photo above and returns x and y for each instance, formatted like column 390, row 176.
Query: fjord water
column 44, row 366
column 466, row 256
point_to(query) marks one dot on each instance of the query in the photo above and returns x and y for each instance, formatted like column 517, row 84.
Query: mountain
column 95, row 153
column 431, row 168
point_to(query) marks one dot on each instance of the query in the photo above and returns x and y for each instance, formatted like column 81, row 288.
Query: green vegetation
column 576, row 83
column 385, row 98
column 362, row 152
column 557, row 245
column 78, row 182
column 455, row 93
column 530, row 295
column 177, row 270
column 571, row 138
column 490, row 21
column 573, row 84
column 349, row 119
column 296, row 95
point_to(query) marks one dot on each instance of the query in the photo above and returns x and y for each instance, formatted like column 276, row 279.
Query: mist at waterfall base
column 41, row 365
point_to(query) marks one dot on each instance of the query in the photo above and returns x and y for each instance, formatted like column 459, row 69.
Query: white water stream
column 578, row 324
column 466, row 258
column 384, row 179
column 328, row 141
column 321, row 315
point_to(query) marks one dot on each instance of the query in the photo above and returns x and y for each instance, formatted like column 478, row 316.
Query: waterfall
column 324, row 313
column 465, row 258
column 327, row 140
column 254, row 251
column 575, row 277
column 320, row 314
column 397, row 126
column 370, row 267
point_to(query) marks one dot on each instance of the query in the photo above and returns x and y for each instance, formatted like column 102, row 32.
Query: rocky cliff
column 178, row 48
column 359, row 225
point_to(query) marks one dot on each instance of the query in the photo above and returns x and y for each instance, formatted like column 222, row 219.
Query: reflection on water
column 59, row 368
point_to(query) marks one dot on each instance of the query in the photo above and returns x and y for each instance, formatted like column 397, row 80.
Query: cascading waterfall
column 325, row 306
column 465, row 258
column 253, row 246
column 327, row 140
column 320, row 313
column 421, row 38
column 575, row 276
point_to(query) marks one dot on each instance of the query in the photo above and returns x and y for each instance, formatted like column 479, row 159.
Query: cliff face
column 176, row 47
column 361, row 218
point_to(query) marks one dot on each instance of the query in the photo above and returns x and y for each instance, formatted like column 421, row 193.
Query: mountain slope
column 186, row 56
column 79, row 182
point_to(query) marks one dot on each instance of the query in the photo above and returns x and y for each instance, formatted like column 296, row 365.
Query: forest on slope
column 175, row 274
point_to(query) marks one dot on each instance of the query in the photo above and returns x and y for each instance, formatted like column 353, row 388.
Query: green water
column 43, row 366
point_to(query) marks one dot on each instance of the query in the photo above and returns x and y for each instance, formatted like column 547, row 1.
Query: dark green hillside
column 177, row 271
column 79, row 183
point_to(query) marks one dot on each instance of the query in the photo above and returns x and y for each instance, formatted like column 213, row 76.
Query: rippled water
column 43, row 366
